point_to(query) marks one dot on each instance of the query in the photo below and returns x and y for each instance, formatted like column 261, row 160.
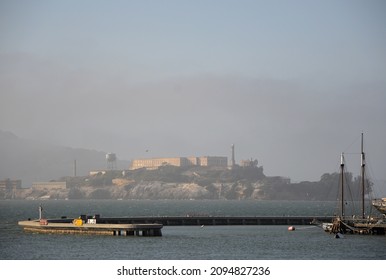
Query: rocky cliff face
column 150, row 190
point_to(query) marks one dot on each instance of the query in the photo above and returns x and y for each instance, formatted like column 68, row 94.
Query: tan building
column 154, row 163
column 213, row 161
column 48, row 186
column 10, row 184
column 9, row 188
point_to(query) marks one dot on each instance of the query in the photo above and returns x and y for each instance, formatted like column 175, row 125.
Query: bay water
column 183, row 242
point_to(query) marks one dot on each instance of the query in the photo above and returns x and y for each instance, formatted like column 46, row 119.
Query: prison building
column 154, row 163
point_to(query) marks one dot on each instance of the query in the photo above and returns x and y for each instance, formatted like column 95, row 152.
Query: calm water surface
column 184, row 242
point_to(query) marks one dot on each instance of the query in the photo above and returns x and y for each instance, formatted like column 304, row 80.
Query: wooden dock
column 374, row 228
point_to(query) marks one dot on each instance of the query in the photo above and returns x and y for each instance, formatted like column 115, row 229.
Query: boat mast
column 342, row 184
column 363, row 178
column 40, row 212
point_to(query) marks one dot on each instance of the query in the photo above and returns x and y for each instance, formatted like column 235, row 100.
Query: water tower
column 111, row 160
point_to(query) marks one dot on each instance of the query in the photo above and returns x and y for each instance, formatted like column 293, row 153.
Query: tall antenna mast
column 342, row 184
column 363, row 177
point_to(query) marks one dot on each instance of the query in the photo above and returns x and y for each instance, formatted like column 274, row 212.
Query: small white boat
column 327, row 227
column 380, row 205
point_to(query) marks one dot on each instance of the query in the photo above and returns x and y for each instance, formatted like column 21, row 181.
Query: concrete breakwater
column 212, row 220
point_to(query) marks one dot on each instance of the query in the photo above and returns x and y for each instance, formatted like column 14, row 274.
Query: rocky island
column 170, row 182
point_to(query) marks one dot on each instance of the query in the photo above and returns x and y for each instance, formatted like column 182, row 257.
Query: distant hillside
column 36, row 161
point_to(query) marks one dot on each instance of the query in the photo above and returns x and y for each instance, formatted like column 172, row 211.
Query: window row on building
column 154, row 163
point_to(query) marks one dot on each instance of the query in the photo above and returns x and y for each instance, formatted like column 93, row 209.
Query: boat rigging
column 352, row 224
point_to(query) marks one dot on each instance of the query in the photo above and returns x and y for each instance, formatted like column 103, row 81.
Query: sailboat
column 361, row 224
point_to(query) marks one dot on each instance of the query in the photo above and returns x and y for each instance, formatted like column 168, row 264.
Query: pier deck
column 366, row 228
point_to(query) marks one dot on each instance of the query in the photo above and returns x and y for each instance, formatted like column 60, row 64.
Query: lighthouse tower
column 233, row 161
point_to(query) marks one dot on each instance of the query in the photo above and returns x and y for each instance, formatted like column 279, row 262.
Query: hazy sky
column 290, row 83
